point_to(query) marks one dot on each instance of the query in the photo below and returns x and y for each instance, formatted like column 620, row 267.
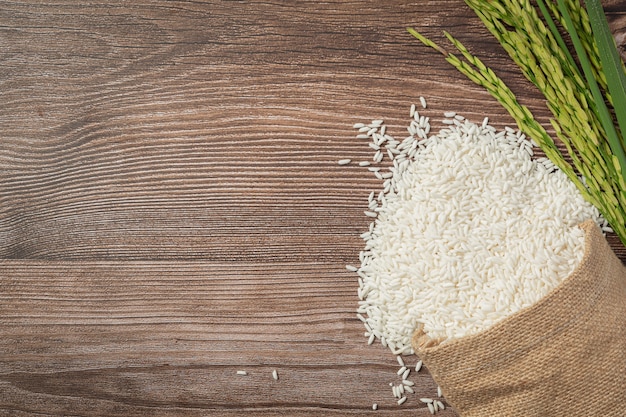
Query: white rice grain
column 468, row 229
column 469, row 220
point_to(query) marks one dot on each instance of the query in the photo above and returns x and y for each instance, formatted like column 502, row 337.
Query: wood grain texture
column 137, row 337
column 172, row 211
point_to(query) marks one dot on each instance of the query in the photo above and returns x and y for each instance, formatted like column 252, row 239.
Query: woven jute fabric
column 563, row 356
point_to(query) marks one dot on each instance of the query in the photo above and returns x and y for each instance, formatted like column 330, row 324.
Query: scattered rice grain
column 477, row 172
column 470, row 213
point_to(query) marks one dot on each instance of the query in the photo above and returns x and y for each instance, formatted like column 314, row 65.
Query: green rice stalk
column 544, row 64
column 603, row 112
column 527, row 42
column 580, row 19
column 541, row 61
column 599, row 189
column 555, row 33
column 478, row 72
column 611, row 62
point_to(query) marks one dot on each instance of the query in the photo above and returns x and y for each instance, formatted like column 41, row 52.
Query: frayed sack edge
column 454, row 363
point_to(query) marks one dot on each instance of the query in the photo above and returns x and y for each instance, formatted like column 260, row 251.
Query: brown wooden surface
column 172, row 211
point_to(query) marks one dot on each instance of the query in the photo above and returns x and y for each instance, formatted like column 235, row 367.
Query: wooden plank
column 178, row 130
column 185, row 130
column 138, row 338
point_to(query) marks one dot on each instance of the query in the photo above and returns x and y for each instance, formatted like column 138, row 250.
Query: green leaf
column 603, row 114
column 611, row 61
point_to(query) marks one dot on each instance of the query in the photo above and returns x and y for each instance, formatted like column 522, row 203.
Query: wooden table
column 172, row 210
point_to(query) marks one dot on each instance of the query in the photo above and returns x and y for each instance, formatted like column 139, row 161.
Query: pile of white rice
column 468, row 230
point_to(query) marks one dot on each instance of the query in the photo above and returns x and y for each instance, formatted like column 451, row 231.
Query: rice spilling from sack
column 469, row 229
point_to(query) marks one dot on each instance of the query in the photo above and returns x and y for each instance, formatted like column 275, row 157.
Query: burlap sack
column 564, row 356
